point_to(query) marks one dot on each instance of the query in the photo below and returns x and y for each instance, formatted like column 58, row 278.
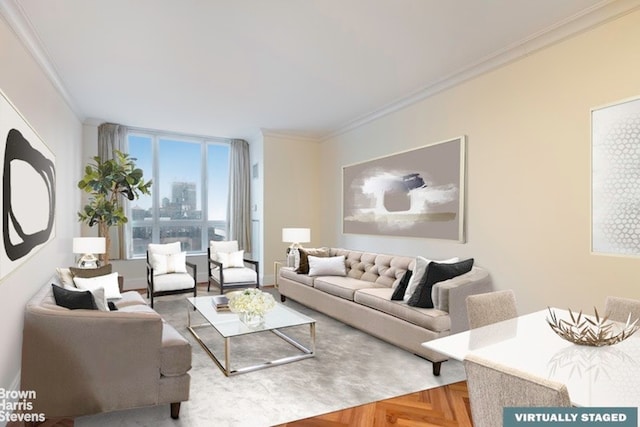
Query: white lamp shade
column 89, row 245
column 296, row 235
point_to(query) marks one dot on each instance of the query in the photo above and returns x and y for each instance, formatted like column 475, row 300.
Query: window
column 188, row 200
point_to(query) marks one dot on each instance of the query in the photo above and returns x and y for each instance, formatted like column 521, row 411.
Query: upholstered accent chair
column 491, row 307
column 618, row 309
column 493, row 386
column 228, row 267
column 168, row 272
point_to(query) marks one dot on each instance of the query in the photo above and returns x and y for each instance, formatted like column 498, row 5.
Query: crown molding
column 16, row 18
column 587, row 19
column 297, row 136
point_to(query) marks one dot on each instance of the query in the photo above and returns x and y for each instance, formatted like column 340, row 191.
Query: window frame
column 204, row 222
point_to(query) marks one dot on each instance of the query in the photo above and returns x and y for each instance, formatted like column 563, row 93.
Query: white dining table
column 607, row 376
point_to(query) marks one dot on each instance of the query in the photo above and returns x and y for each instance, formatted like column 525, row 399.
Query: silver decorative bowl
column 593, row 331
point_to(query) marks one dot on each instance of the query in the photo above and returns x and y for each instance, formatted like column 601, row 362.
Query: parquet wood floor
column 446, row 406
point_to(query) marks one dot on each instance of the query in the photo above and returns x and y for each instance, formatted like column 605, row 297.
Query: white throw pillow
column 418, row 273
column 65, row 276
column 224, row 246
column 109, row 282
column 327, row 266
column 231, row 259
column 169, row 263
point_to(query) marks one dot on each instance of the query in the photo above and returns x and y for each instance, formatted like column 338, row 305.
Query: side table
column 277, row 265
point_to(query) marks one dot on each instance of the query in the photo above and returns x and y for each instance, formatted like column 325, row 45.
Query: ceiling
column 304, row 67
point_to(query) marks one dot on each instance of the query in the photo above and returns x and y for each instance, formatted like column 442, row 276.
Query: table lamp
column 87, row 247
column 295, row 236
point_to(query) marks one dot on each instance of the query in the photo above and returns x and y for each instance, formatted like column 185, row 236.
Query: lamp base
column 88, row 261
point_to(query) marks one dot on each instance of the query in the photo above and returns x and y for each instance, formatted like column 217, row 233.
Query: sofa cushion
column 175, row 353
column 235, row 275
column 303, row 264
column 327, row 266
column 437, row 272
column 342, row 287
column 130, row 298
column 172, row 282
column 420, row 272
column 380, row 299
column 65, row 276
column 290, row 273
column 399, row 291
column 109, row 282
column 74, row 300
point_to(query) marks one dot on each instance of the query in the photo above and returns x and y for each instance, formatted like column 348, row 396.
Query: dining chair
column 618, row 309
column 168, row 271
column 491, row 307
column 493, row 386
column 228, row 267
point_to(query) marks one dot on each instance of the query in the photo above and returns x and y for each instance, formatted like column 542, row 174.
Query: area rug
column 350, row 368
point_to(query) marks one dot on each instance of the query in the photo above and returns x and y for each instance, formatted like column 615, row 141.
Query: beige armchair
column 168, row 271
column 227, row 267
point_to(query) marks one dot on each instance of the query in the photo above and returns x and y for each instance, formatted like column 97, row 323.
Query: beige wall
column 528, row 161
column 291, row 186
column 23, row 82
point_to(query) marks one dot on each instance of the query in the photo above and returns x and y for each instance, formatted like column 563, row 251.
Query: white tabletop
column 595, row 376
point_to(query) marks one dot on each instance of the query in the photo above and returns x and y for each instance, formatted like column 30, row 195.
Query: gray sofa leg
column 283, row 298
column 436, row 368
column 175, row 410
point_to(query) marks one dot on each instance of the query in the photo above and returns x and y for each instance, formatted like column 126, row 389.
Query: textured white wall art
column 615, row 200
column 28, row 189
column 415, row 193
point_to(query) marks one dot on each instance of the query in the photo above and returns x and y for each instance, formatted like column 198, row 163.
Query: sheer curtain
column 239, row 206
column 113, row 137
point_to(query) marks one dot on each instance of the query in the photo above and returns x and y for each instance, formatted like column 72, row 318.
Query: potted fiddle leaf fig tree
column 107, row 182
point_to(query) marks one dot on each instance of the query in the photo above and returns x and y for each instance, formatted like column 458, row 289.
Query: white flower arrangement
column 252, row 301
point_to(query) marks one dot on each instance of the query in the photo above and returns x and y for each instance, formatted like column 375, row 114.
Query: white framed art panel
column 413, row 193
column 615, row 178
column 28, row 200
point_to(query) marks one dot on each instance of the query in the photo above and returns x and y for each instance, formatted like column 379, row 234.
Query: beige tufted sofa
column 362, row 299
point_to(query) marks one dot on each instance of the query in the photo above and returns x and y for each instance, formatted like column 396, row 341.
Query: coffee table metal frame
column 205, row 303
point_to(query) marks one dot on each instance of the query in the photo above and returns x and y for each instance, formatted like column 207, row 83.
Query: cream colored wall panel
column 528, row 168
column 24, row 83
column 292, row 182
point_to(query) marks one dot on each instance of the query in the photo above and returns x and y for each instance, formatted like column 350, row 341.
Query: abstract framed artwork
column 414, row 193
column 28, row 189
column 615, row 178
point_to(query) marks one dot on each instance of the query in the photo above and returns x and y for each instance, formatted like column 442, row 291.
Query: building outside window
column 189, row 195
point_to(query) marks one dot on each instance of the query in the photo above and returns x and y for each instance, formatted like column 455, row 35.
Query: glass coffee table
column 228, row 325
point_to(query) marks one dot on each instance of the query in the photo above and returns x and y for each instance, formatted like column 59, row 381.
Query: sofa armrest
column 458, row 305
column 102, row 360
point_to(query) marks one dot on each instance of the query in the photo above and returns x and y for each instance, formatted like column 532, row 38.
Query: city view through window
column 188, row 200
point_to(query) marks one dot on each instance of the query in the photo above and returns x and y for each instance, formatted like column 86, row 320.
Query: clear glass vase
column 252, row 319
